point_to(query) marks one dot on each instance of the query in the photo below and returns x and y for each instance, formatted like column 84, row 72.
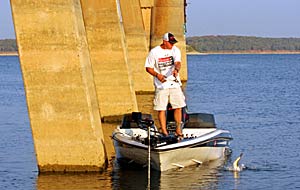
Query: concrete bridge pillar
column 59, row 84
column 136, row 44
column 109, row 57
column 168, row 16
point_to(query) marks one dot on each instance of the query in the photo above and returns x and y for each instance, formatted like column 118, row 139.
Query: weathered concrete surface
column 59, row 85
column 146, row 7
column 136, row 44
column 168, row 16
column 112, row 72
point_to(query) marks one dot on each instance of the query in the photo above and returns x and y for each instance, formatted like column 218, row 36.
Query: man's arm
column 177, row 68
column 160, row 77
column 151, row 71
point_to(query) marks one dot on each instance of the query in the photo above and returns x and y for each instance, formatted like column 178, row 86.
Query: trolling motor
column 147, row 123
column 142, row 122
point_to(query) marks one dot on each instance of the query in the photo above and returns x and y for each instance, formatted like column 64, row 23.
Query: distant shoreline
column 12, row 53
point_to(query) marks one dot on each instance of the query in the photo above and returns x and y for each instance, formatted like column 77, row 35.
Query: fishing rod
column 148, row 123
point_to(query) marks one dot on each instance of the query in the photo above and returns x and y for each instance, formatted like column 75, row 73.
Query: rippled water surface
column 256, row 97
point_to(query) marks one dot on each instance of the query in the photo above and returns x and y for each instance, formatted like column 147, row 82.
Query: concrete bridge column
column 136, row 43
column 59, row 84
column 168, row 16
column 112, row 71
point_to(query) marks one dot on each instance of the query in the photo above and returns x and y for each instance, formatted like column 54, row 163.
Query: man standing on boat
column 163, row 63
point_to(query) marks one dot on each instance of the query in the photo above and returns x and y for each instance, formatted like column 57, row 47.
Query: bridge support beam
column 109, row 57
column 59, row 84
column 168, row 16
column 136, row 44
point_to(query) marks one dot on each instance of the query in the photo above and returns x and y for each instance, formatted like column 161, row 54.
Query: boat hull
column 181, row 154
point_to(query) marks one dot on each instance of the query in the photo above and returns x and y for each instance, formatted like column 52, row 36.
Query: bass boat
column 137, row 139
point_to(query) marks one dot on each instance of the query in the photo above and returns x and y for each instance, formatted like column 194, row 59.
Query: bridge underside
column 82, row 61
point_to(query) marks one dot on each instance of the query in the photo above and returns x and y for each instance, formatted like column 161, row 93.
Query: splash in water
column 236, row 167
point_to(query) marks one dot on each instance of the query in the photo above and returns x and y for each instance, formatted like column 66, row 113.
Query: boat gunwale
column 163, row 148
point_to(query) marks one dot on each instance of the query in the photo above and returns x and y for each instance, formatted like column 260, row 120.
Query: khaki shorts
column 174, row 96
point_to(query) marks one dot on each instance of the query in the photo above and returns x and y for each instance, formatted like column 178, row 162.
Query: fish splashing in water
column 236, row 167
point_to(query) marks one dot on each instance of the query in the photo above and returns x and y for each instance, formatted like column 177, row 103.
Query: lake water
column 256, row 97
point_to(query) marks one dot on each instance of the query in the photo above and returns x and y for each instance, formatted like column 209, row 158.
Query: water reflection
column 122, row 177
column 74, row 181
column 204, row 176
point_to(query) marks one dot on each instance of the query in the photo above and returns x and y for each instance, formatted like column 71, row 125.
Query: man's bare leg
column 178, row 119
column 162, row 121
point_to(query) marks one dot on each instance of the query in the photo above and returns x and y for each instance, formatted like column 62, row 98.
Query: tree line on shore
column 8, row 45
column 241, row 44
column 214, row 44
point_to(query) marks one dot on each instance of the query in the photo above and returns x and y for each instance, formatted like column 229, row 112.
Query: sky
column 261, row 18
column 6, row 24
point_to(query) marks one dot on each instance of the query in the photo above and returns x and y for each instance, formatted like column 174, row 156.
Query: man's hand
column 161, row 78
column 175, row 72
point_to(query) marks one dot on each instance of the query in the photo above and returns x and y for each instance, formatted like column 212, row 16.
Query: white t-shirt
column 162, row 61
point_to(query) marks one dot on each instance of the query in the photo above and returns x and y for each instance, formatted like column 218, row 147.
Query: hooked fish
column 236, row 166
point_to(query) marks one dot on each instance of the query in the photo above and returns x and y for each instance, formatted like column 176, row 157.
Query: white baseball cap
column 169, row 37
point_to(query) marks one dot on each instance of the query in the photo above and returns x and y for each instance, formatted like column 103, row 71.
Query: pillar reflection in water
column 123, row 177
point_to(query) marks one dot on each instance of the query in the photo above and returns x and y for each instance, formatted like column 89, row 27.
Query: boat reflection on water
column 122, row 177
column 202, row 176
